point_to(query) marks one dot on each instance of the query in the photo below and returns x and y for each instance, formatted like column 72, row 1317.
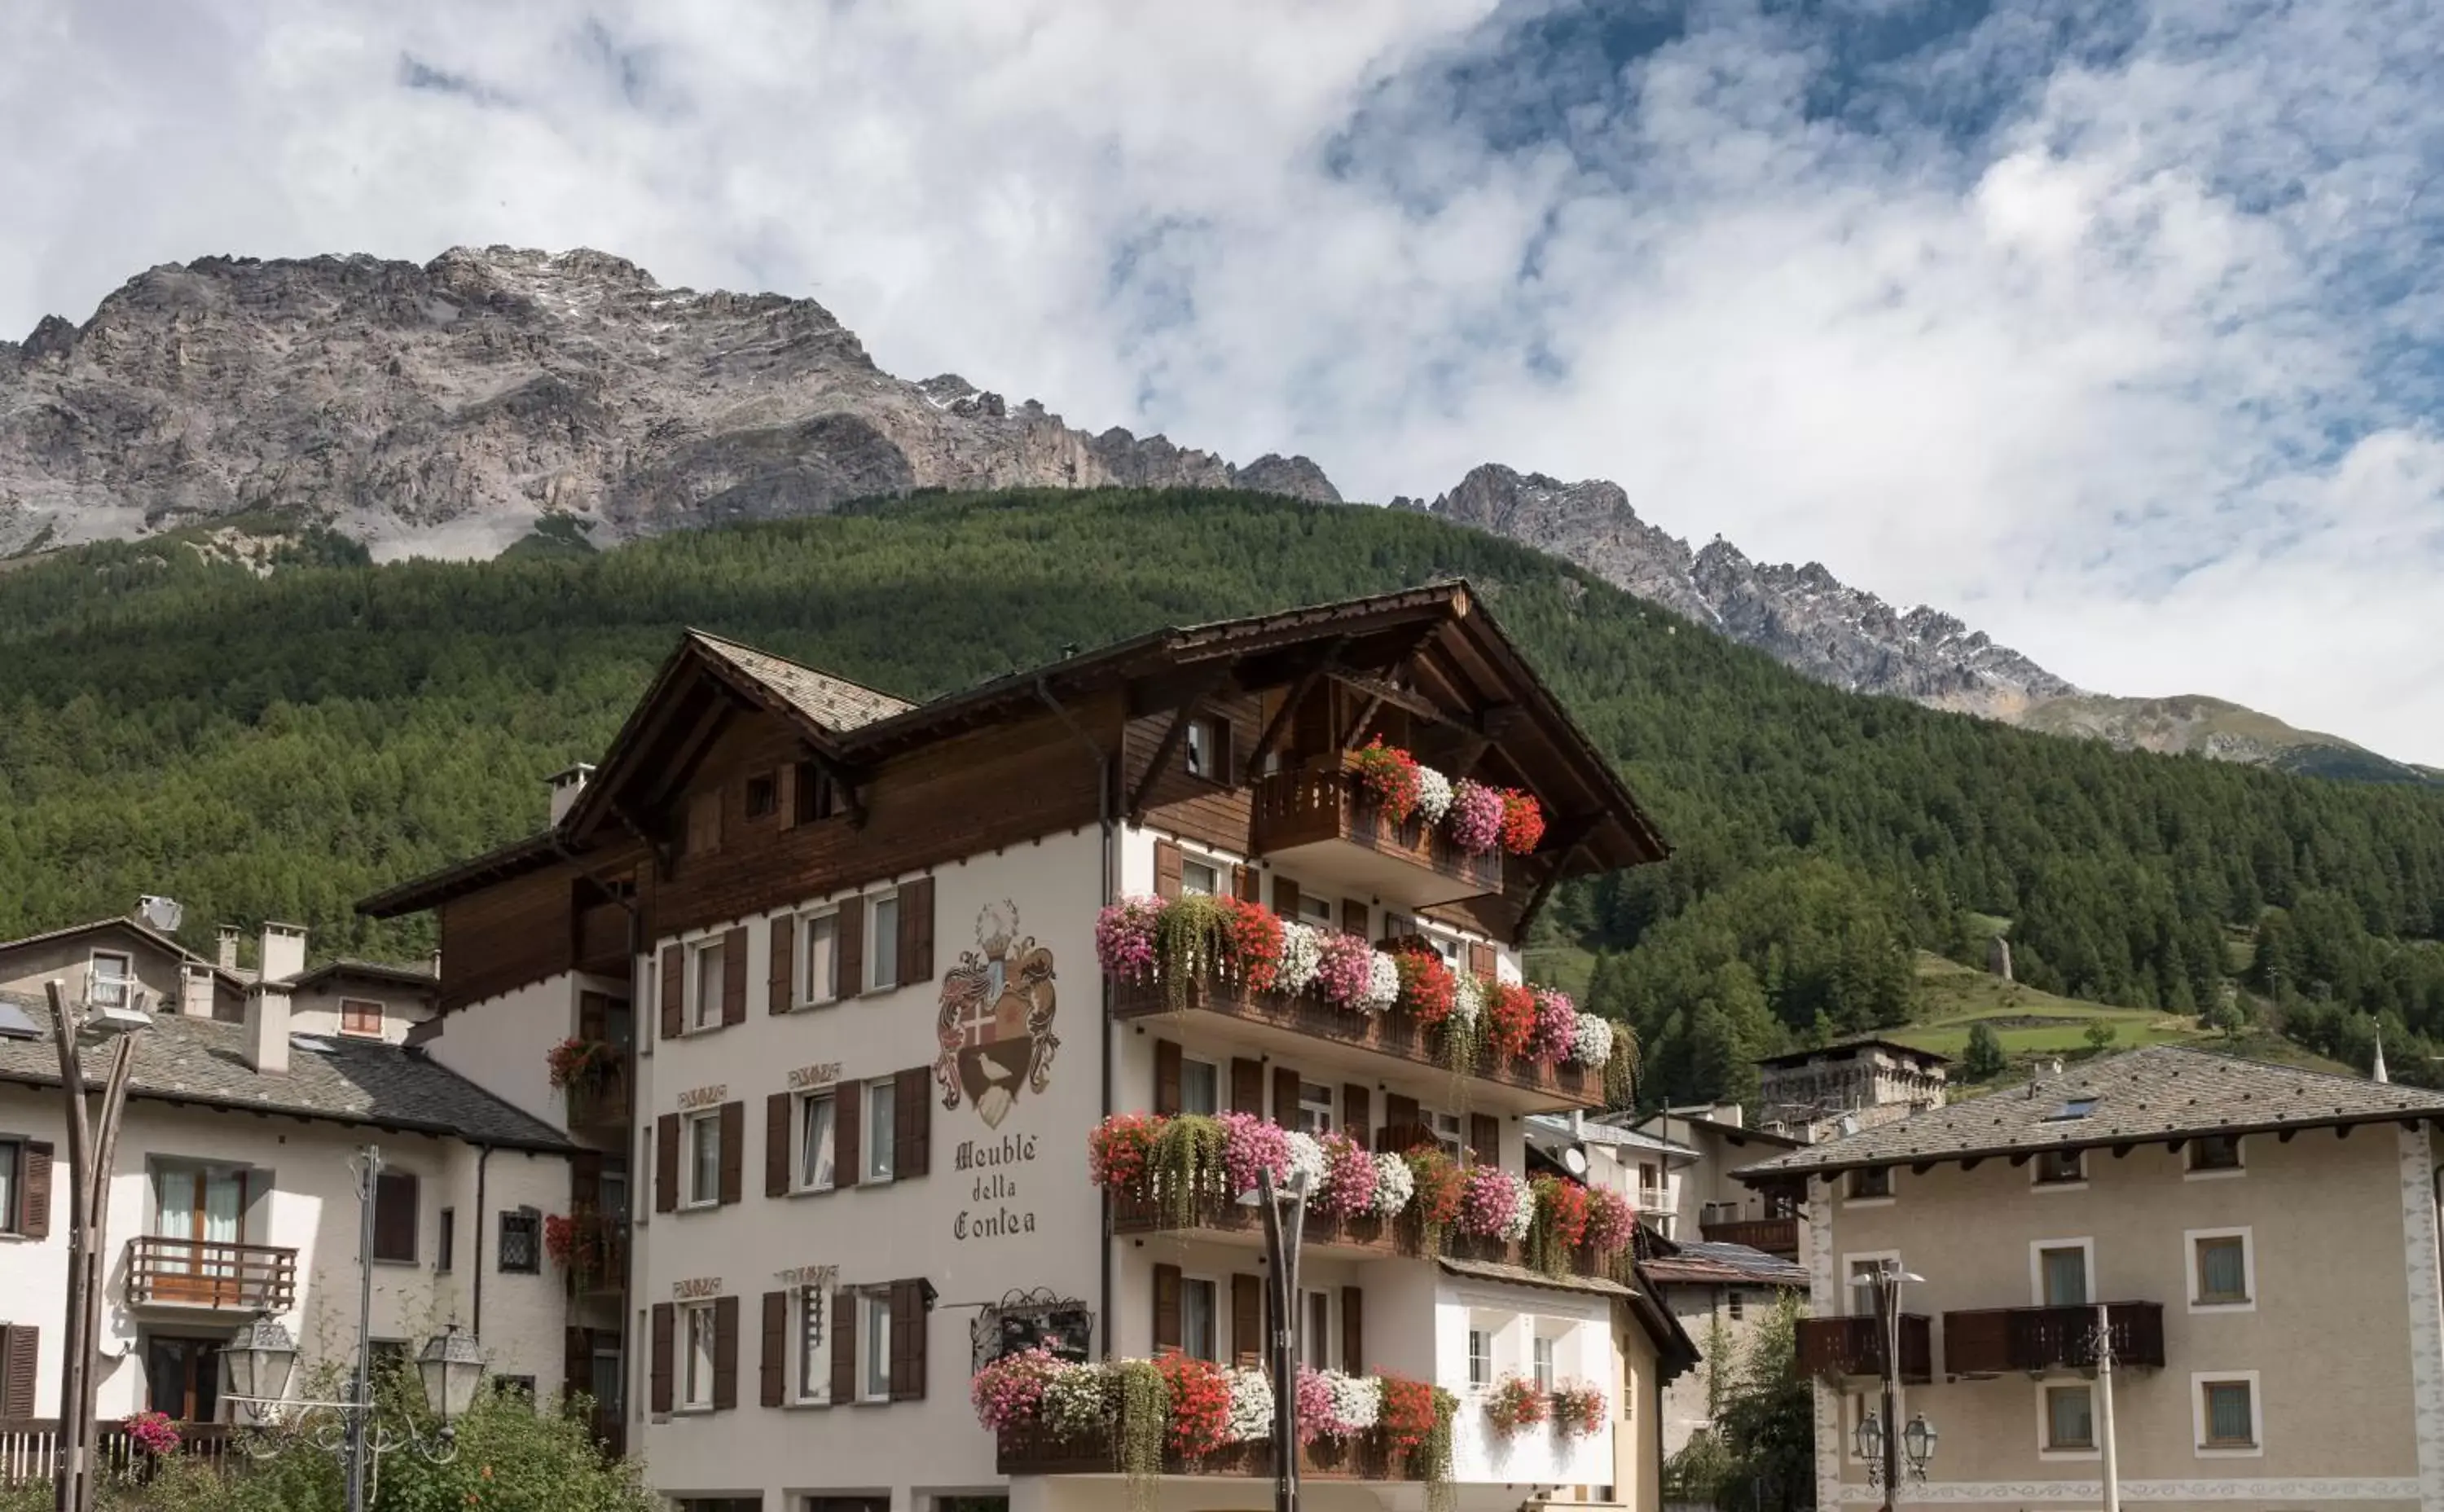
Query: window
column 12, row 1163
column 394, row 1217
column 1864, row 1269
column 2061, row 1276
column 1197, row 1334
column 1480, row 1359
column 704, row 823
column 1315, row 1109
column 2227, row 1413
column 2219, row 1151
column 819, row 934
column 816, row 798
column 1871, row 1183
column 2071, row 1111
column 361, row 1016
column 521, row 1242
column 611, row 1188
column 1203, row 878
column 1200, row 1087
column 2220, row 1270
column 1445, row 1129
column 2070, row 1419
column 2060, row 1168
column 1739, row 1304
column 1315, row 1331
column 762, row 797
column 704, row 1159
column 704, row 980
column 875, row 1380
column 1207, row 750
column 879, row 1125
column 698, row 1332
column 520, row 1388
column 1540, row 1361
column 814, row 1359
column 111, row 980
column 883, row 945
column 446, row 1254
column 815, row 1142
column 1314, row 909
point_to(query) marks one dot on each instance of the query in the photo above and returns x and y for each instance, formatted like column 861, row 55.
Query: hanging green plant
column 1187, row 1161
column 1621, row 1071
column 1145, row 1417
column 1462, row 1039
column 1433, row 1461
column 1189, row 941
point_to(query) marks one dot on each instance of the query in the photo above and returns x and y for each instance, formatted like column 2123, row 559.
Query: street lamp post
column 93, row 1149
column 1890, row 1450
column 1285, row 1221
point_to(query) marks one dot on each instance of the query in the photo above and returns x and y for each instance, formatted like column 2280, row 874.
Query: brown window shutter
column 674, row 991
column 576, row 1361
column 916, row 932
column 1286, row 896
column 912, row 1123
column 781, row 988
column 1403, row 1125
column 1166, row 1309
column 845, row 1324
column 1224, row 772
column 1167, row 1076
column 1246, row 1086
column 734, row 1150
column 1357, row 1114
column 1249, row 884
column 21, row 1348
column 1353, row 1330
column 773, row 1365
column 908, row 1341
column 1167, row 862
column 1285, row 1099
column 848, row 947
column 1485, row 1138
column 777, row 1107
column 666, row 1163
column 666, row 1321
column 804, row 793
column 1247, row 1321
column 733, row 977
column 725, row 1353
column 848, row 1135
column 1352, row 916
column 1481, row 959
column 34, row 1217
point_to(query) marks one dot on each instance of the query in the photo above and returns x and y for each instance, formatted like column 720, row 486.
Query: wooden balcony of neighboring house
column 165, row 1272
column 591, row 1248
column 2038, row 1341
column 1315, row 818
column 600, row 1105
column 1397, row 1034
column 610, row 1429
column 30, row 1448
column 1218, row 1215
column 1776, row 1236
column 1845, row 1348
column 1032, row 1450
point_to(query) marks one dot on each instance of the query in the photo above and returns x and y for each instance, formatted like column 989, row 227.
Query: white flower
column 1308, row 1156
column 1357, row 1400
column 1523, row 1213
column 1252, row 1407
column 1077, row 1401
column 1468, row 998
column 1395, row 1184
column 1593, row 1045
column 1434, row 795
column 1382, row 984
column 1302, row 949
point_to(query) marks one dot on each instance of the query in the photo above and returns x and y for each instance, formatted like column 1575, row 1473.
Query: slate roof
column 832, row 702
column 1718, row 1264
column 201, row 1062
column 132, row 926
column 2160, row 1092
column 414, row 976
column 1864, row 1042
column 1595, row 1132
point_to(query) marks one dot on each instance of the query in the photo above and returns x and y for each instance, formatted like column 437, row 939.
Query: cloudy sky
column 2111, row 326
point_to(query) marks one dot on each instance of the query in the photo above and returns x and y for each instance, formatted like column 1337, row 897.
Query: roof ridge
column 721, row 640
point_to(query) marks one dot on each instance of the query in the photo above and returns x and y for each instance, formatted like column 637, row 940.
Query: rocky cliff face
column 1801, row 616
column 449, row 406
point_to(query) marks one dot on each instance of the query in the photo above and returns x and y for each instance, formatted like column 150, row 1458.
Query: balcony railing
column 1139, row 1211
column 30, row 1448
column 211, row 1273
column 600, row 1106
column 591, row 1248
column 1320, row 812
column 1397, row 1033
column 1855, row 1346
column 1776, row 1236
column 2037, row 1339
column 1032, row 1450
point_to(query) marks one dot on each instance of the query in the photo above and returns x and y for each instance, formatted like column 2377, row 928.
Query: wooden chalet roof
column 2141, row 1097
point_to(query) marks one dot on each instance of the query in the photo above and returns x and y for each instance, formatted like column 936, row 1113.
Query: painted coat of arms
column 995, row 1028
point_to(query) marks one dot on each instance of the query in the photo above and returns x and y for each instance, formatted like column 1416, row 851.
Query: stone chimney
column 283, row 955
column 566, row 785
column 196, row 987
column 229, row 935
column 266, row 1029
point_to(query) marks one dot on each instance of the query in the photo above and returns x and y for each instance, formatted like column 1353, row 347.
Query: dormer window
column 113, row 978
column 1207, row 750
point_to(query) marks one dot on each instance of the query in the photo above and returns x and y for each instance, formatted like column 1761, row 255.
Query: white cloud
column 2110, row 330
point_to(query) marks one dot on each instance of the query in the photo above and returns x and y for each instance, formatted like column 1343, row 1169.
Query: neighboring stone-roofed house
column 1721, row 1294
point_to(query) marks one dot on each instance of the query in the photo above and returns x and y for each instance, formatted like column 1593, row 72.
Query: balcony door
column 2062, row 1273
column 200, row 1216
column 182, row 1377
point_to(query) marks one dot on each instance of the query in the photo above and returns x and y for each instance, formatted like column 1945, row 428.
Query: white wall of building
column 504, row 1043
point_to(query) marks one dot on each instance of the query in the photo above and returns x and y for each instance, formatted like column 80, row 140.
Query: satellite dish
column 1574, row 1160
column 162, row 913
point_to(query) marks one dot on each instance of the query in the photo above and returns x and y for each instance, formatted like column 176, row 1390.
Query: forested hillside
column 280, row 745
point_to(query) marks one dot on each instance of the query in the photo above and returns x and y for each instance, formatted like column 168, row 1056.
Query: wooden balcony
column 1315, row 819
column 1397, row 1034
column 1034, row 1451
column 2037, row 1339
column 1217, row 1214
column 602, row 1107
column 1852, row 1347
column 206, row 1273
column 1776, row 1236
column 30, row 1448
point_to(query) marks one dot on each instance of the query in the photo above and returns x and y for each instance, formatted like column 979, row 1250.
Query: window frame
column 703, row 1007
column 1311, row 1300
column 685, row 1398
column 2040, row 1180
column 1211, row 1070
column 1204, row 744
column 1479, row 1365
column 13, row 1187
column 415, row 1216
column 1314, row 908
column 2192, row 1171
column 446, row 1241
column 1852, row 1292
column 1868, row 1186
column 381, row 1018
column 2046, row 1447
column 529, row 1219
column 1190, row 864
column 879, row 939
column 762, row 797
column 803, row 924
column 1544, row 1360
column 1736, row 1303
column 128, row 985
column 2038, row 1248
column 1210, row 1287
column 877, row 1151
column 1327, row 1111
column 691, row 1198
column 873, row 1347
column 801, row 1116
column 2192, row 1240
column 811, row 1358
column 2206, row 1449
